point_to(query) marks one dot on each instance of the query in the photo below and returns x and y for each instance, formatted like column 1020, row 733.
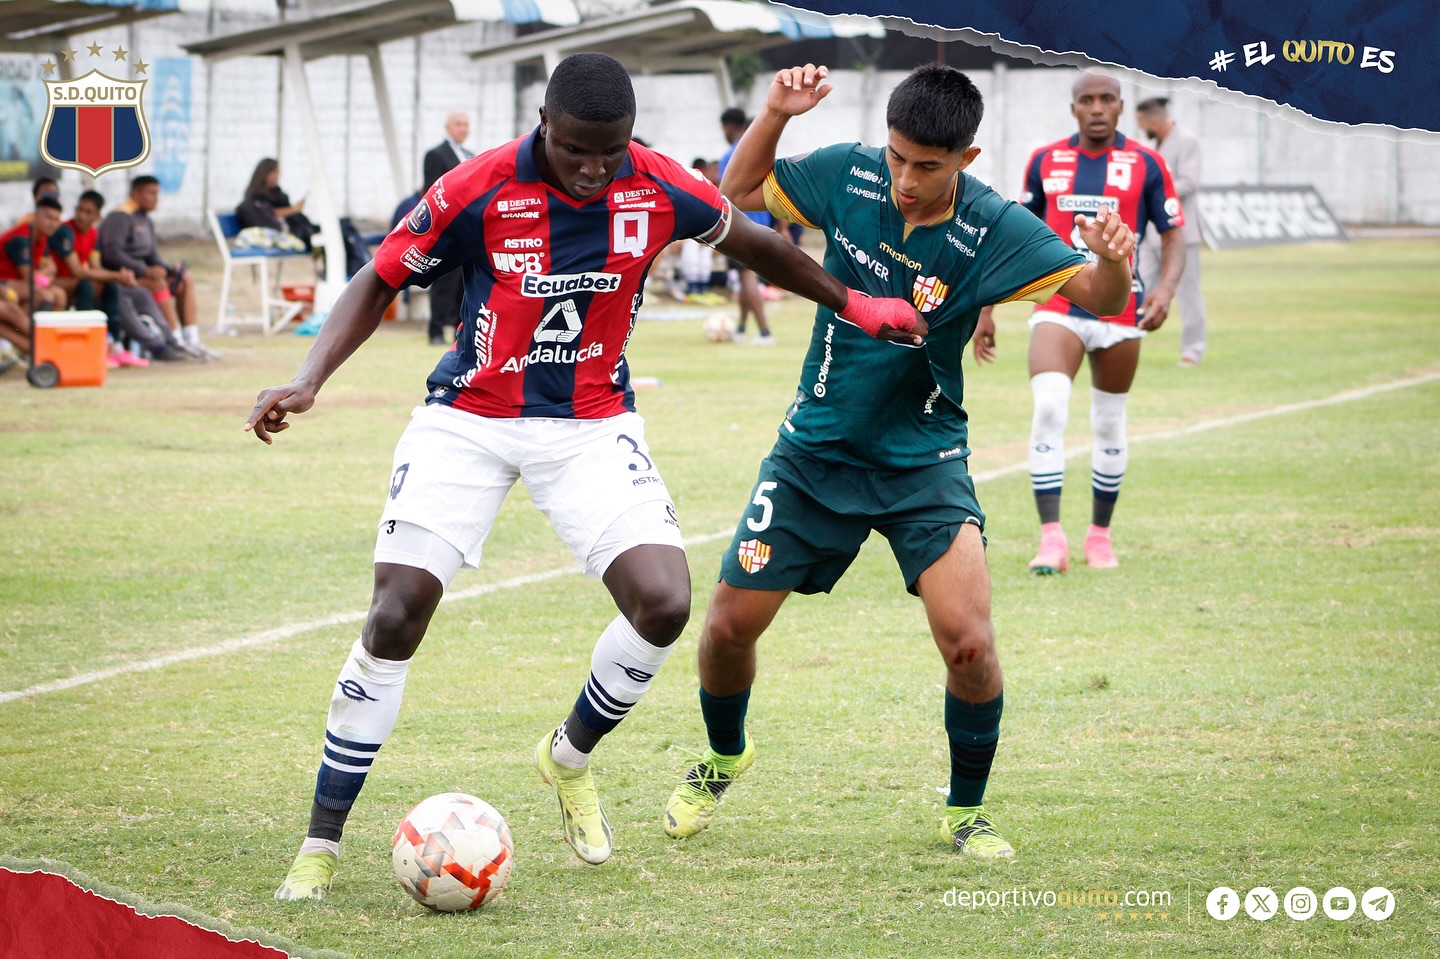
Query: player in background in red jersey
column 18, row 260
column 1096, row 168
column 555, row 233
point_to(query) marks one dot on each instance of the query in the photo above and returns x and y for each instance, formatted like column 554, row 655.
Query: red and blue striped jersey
column 71, row 239
column 1062, row 180
column 15, row 250
column 552, row 284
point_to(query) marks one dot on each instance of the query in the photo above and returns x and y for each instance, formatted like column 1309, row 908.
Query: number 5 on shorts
column 767, row 508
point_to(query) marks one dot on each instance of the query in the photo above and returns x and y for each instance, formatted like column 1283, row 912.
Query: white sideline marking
column 1236, row 420
column 295, row 629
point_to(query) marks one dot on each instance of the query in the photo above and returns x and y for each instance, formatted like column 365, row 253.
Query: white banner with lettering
column 1239, row 216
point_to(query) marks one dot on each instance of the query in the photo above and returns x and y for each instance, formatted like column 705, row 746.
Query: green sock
column 974, row 729
column 725, row 721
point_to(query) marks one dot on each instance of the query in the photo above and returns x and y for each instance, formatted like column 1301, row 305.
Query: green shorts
column 808, row 517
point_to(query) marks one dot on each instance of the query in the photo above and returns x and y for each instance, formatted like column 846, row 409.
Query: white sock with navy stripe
column 1047, row 441
column 363, row 710
column 1107, row 462
column 621, row 670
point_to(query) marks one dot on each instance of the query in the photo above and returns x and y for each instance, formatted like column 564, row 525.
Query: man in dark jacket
column 445, row 292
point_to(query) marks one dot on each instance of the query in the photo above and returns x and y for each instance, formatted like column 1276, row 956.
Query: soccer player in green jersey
column 876, row 437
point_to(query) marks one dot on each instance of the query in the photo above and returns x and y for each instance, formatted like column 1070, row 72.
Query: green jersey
column 889, row 405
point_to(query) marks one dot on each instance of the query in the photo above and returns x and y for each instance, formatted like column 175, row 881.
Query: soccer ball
column 719, row 328
column 453, row 852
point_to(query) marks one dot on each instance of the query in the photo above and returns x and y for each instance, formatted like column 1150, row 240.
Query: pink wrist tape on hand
column 870, row 313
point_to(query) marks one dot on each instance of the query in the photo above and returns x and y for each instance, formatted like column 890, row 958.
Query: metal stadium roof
column 38, row 26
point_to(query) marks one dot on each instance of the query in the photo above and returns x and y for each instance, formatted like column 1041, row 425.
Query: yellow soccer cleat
column 970, row 829
column 693, row 803
column 310, row 876
column 586, row 828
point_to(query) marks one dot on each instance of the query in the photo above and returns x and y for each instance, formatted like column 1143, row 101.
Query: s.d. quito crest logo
column 95, row 123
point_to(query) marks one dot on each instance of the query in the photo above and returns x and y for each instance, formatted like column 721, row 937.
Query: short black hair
column 733, row 117
column 143, row 181
column 936, row 106
column 94, row 197
column 592, row 87
column 35, row 190
column 49, row 203
column 1153, row 105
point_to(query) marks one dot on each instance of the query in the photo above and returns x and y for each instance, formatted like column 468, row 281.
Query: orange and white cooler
column 73, row 342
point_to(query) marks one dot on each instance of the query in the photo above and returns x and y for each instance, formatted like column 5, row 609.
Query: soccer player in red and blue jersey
column 79, row 273
column 16, row 261
column 554, row 233
column 1094, row 169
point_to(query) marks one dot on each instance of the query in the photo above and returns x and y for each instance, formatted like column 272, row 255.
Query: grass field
column 1251, row 700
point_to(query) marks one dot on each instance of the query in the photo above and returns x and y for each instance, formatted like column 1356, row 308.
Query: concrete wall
column 1363, row 178
column 243, row 110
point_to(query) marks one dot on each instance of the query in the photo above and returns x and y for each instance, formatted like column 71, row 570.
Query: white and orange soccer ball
column 453, row 852
column 719, row 328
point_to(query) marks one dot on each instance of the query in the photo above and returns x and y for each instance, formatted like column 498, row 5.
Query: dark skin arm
column 1172, row 263
column 786, row 265
column 982, row 341
column 358, row 312
column 354, row 318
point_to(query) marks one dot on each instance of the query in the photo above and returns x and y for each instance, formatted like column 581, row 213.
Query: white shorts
column 593, row 479
column 1095, row 334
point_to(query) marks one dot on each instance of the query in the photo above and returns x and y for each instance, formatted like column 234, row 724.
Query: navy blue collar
column 526, row 169
column 1119, row 144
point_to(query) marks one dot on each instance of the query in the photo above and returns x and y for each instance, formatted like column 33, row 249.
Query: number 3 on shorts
column 767, row 508
column 635, row 450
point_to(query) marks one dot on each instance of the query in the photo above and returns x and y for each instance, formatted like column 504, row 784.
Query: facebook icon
column 1222, row 903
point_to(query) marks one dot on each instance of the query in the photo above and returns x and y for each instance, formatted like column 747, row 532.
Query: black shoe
column 438, row 339
column 8, row 363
